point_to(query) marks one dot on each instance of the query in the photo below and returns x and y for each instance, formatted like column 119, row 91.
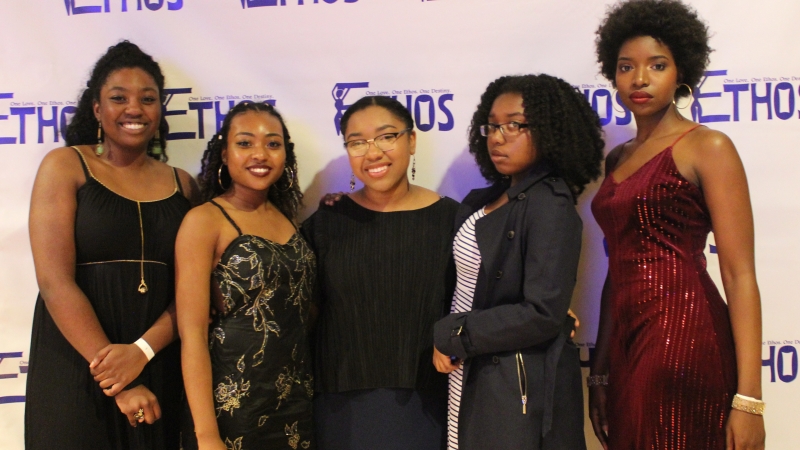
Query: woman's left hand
column 116, row 365
column 139, row 405
column 745, row 431
column 443, row 363
column 577, row 323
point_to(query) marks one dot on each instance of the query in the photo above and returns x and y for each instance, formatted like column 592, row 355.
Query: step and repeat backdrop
column 313, row 58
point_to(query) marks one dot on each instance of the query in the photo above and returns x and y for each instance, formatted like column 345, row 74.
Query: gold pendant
column 142, row 287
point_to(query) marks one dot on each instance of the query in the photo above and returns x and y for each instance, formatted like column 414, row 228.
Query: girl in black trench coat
column 514, row 373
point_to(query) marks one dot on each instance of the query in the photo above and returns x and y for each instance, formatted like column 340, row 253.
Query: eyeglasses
column 509, row 129
column 384, row 143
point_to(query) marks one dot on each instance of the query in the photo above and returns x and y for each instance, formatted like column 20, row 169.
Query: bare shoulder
column 205, row 219
column 62, row 165
column 706, row 143
column 189, row 185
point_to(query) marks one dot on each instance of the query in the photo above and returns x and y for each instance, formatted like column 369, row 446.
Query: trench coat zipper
column 523, row 382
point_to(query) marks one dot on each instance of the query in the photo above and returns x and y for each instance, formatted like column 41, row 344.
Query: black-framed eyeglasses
column 384, row 143
column 508, row 129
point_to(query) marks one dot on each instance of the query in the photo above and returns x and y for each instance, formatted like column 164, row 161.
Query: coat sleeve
column 551, row 253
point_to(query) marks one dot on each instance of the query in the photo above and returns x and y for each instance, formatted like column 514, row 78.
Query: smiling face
column 256, row 152
column 378, row 170
column 647, row 76
column 511, row 155
column 129, row 109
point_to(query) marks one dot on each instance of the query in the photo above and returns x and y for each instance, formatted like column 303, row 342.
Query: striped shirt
column 468, row 264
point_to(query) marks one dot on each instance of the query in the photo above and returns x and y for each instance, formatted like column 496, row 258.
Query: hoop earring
column 157, row 149
column 289, row 173
column 691, row 95
column 413, row 167
column 219, row 177
column 614, row 96
column 99, row 149
column 352, row 181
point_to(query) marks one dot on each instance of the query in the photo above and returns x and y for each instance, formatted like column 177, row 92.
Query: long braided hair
column 82, row 129
column 285, row 194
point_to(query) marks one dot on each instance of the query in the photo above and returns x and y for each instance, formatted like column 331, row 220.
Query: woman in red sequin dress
column 674, row 353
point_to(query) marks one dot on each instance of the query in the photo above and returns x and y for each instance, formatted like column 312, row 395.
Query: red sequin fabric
column 672, row 363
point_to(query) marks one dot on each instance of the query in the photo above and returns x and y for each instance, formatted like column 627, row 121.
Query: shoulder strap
column 86, row 170
column 178, row 181
column 684, row 134
column 227, row 216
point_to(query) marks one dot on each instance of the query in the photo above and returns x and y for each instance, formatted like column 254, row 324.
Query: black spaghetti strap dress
column 259, row 344
column 124, row 265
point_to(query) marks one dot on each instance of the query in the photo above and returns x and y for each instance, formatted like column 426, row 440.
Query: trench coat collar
column 539, row 171
column 480, row 197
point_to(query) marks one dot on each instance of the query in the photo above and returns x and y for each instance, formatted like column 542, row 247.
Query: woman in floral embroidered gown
column 247, row 374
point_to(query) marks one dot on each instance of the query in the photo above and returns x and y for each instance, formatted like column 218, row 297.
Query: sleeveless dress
column 123, row 247
column 259, row 344
column 672, row 371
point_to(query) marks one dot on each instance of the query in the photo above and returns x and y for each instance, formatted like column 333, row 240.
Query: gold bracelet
column 748, row 404
column 597, row 380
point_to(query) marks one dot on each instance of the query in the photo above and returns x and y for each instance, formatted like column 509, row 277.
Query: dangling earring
column 352, row 181
column 413, row 167
column 691, row 95
column 156, row 149
column 219, row 177
column 290, row 174
column 99, row 149
column 613, row 96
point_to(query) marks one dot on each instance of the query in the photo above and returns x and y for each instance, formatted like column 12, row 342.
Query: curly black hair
column 670, row 22
column 286, row 196
column 388, row 103
column 82, row 129
column 566, row 131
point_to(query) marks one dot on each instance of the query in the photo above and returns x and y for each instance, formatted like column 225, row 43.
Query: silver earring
column 352, row 181
column 413, row 167
column 289, row 174
column 691, row 95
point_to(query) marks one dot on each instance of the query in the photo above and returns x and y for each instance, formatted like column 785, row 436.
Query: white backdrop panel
column 313, row 57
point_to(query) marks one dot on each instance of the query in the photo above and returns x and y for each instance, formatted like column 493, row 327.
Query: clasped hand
column 133, row 400
column 116, row 365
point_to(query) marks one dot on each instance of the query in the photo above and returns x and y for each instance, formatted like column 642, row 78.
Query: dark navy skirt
column 385, row 419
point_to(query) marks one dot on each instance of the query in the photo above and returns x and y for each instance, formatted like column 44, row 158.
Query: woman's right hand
column 597, row 414
column 330, row 199
column 139, row 398
column 116, row 365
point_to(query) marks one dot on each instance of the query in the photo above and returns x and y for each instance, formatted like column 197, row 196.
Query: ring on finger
column 139, row 414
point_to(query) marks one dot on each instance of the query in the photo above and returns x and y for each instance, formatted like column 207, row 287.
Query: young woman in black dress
column 248, row 374
column 103, row 220
column 385, row 276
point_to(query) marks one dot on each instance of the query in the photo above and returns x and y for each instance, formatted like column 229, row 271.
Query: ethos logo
column 782, row 360
column 186, row 113
column 49, row 116
column 259, row 3
column 75, row 7
column 429, row 107
column 718, row 98
column 8, row 371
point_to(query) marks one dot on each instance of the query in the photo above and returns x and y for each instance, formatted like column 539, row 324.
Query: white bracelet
column 148, row 351
column 751, row 399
